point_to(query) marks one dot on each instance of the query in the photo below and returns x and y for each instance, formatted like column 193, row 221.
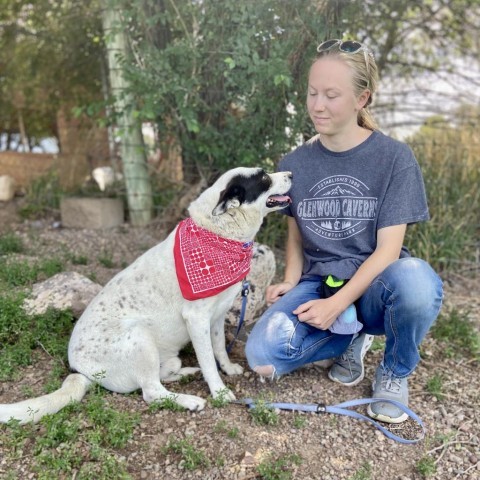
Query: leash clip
column 245, row 288
column 321, row 408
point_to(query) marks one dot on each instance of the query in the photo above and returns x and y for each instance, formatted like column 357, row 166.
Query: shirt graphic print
column 339, row 207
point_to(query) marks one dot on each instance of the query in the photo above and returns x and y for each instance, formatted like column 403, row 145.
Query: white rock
column 7, row 188
column 105, row 176
column 62, row 291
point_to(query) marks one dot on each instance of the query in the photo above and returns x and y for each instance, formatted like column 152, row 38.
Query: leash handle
column 343, row 409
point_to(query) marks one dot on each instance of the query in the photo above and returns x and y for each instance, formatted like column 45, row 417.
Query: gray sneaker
column 348, row 369
column 392, row 388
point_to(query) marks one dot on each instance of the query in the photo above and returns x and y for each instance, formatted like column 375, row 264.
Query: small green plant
column 363, row 473
column 278, row 468
column 435, row 386
column 222, row 427
column 78, row 259
column 55, row 440
column 111, row 428
column 10, row 243
column 92, row 423
column 220, row 400
column 233, row 432
column 50, row 267
column 21, row 334
column 56, row 376
column 426, row 466
column 20, row 273
column 92, row 276
column 43, row 196
column 458, row 333
column 299, row 421
column 167, row 403
column 17, row 273
column 263, row 414
column 378, row 344
column 191, row 457
column 186, row 379
column 106, row 259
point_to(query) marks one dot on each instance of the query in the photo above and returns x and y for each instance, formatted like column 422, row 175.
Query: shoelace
column 391, row 383
column 348, row 358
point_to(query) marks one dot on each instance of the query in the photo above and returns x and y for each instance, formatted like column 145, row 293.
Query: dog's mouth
column 278, row 201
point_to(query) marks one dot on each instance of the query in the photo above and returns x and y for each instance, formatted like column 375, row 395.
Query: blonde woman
column 354, row 192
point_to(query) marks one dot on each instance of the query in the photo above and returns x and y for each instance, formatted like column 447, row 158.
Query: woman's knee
column 267, row 341
column 414, row 281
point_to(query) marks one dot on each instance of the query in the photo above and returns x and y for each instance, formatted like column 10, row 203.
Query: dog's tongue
column 280, row 198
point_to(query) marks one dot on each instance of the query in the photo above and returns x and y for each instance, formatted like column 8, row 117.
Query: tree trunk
column 137, row 181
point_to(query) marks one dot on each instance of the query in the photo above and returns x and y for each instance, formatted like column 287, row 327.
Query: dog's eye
column 265, row 177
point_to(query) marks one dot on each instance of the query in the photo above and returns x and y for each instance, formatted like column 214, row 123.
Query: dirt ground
column 331, row 447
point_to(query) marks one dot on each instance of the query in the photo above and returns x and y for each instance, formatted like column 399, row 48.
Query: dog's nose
column 289, row 174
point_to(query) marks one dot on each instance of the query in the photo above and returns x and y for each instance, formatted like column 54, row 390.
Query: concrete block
column 7, row 188
column 89, row 212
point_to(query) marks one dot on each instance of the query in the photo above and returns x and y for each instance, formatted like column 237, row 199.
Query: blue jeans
column 401, row 303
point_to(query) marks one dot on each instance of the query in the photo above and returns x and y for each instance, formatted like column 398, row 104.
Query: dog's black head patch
column 243, row 189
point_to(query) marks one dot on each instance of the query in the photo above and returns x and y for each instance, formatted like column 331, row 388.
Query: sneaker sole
column 366, row 346
column 386, row 418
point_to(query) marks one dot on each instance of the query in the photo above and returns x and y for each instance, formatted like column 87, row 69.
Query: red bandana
column 206, row 263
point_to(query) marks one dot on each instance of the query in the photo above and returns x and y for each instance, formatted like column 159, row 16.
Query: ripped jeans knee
column 265, row 371
column 279, row 343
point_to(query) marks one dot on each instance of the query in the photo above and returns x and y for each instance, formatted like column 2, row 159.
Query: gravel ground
column 331, row 447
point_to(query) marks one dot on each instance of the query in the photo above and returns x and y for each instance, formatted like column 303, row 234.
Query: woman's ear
column 362, row 100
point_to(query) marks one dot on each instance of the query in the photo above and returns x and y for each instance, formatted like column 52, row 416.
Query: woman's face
column 331, row 100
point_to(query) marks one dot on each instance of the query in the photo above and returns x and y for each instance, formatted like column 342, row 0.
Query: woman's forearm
column 294, row 254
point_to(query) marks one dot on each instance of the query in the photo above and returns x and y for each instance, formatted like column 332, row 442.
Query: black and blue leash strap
column 245, row 292
column 343, row 409
column 339, row 409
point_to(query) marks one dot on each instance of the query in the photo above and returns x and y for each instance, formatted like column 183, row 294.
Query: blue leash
column 343, row 409
column 245, row 292
column 339, row 409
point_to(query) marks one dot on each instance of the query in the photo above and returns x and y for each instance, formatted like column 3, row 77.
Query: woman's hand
column 319, row 313
column 275, row 292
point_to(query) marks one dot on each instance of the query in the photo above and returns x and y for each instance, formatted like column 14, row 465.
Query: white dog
column 130, row 335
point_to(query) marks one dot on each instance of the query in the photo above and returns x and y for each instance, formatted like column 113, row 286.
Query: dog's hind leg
column 171, row 371
column 146, row 369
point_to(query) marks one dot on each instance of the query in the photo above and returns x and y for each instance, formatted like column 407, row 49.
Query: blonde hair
column 365, row 77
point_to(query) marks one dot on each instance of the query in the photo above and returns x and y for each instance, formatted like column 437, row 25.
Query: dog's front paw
column 190, row 402
column 232, row 369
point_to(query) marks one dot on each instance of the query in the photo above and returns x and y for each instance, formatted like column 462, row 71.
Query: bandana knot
column 205, row 263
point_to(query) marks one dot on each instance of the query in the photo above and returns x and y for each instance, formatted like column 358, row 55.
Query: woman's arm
column 323, row 312
column 293, row 264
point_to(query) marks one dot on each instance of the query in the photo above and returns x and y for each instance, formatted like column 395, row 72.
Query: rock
column 90, row 212
column 62, row 291
column 260, row 277
column 105, row 177
column 7, row 188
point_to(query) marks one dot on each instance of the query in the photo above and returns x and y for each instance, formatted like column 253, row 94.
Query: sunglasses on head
column 347, row 46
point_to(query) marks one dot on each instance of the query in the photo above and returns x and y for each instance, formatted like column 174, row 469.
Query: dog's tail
column 73, row 389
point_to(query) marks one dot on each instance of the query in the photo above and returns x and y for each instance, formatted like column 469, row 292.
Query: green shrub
column 10, row 243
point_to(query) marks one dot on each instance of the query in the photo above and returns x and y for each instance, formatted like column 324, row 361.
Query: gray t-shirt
column 341, row 199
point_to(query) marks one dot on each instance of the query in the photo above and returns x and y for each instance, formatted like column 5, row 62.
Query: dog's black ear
column 230, row 198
